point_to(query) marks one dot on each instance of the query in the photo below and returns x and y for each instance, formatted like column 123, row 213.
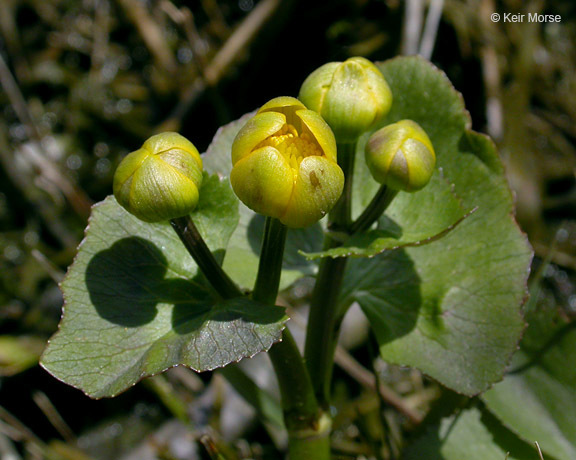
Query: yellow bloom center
column 292, row 145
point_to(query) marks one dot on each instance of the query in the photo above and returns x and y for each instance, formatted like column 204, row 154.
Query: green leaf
column 450, row 308
column 242, row 255
column 538, row 400
column 136, row 304
column 469, row 435
column 413, row 219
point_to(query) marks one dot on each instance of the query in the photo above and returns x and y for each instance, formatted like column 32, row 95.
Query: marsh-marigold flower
column 284, row 164
column 352, row 96
column 161, row 180
column 401, row 156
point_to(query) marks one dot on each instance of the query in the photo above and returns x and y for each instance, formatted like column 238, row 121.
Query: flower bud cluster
column 284, row 158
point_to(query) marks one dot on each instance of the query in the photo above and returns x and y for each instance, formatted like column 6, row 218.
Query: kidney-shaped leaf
column 136, row 304
column 470, row 435
column 537, row 400
column 450, row 308
column 413, row 219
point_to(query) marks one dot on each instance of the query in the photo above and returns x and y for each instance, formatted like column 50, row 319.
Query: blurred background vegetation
column 84, row 82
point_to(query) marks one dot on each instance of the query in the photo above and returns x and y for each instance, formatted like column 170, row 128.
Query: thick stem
column 340, row 215
column 374, row 210
column 323, row 321
column 308, row 429
column 301, row 411
column 322, row 330
column 194, row 243
column 311, row 444
column 270, row 266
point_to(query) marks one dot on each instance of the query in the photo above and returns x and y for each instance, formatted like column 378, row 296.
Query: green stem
column 374, row 210
column 311, row 444
column 270, row 267
column 323, row 320
column 308, row 428
column 323, row 324
column 194, row 243
column 340, row 215
column 302, row 415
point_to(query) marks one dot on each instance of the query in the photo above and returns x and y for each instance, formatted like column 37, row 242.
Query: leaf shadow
column 127, row 281
column 188, row 317
column 387, row 227
column 389, row 292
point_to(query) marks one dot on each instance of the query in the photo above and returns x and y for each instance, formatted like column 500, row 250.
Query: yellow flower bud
column 352, row 96
column 284, row 164
column 161, row 180
column 401, row 156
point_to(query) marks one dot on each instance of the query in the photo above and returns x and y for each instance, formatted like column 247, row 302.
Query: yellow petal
column 184, row 162
column 263, row 181
column 351, row 96
column 349, row 104
column 124, row 174
column 420, row 162
column 255, row 131
column 318, row 186
column 315, row 125
column 161, row 192
column 316, row 85
column 282, row 103
column 381, row 92
column 287, row 106
column 401, row 156
column 417, row 133
column 162, row 142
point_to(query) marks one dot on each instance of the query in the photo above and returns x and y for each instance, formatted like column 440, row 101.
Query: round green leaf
column 413, row 219
column 537, row 400
column 450, row 308
column 136, row 304
column 469, row 435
